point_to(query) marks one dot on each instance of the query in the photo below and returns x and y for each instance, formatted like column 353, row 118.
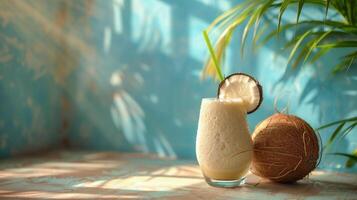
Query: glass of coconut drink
column 224, row 147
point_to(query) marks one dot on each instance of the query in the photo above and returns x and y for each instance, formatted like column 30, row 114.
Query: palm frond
column 301, row 4
column 283, row 7
column 352, row 158
column 327, row 6
column 347, row 10
column 334, row 134
column 315, row 42
column 339, row 44
column 225, row 37
column 252, row 13
column 226, row 17
column 262, row 10
column 252, row 19
column 339, row 131
column 346, row 63
column 348, row 129
column 352, row 119
column 258, row 35
column 320, row 52
column 297, row 44
column 255, row 18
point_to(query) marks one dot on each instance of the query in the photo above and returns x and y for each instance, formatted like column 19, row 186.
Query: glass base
column 225, row 183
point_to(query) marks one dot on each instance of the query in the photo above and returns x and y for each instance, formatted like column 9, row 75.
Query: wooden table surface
column 107, row 175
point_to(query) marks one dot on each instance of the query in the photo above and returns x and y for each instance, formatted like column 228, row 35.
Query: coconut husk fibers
column 286, row 149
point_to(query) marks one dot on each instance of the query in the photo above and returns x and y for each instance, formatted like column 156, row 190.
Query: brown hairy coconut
column 286, row 148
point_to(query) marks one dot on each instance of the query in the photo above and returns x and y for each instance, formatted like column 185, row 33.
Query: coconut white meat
column 242, row 86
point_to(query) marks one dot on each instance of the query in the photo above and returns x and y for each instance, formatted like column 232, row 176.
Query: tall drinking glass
column 223, row 144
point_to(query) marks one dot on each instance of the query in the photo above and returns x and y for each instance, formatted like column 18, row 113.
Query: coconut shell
column 286, row 149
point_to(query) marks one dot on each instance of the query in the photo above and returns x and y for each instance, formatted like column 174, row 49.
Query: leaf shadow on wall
column 138, row 93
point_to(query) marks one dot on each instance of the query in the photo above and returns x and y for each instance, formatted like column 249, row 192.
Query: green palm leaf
column 263, row 9
column 327, row 6
column 247, row 28
column 351, row 55
column 345, row 64
column 297, row 44
column 334, row 134
column 252, row 13
column 339, row 44
column 283, row 7
column 319, row 54
column 226, row 18
column 348, row 129
column 315, row 42
column 352, row 158
column 352, row 119
column 255, row 18
column 301, row 4
column 339, row 131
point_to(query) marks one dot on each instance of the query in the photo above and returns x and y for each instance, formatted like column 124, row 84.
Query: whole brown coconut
column 286, row 149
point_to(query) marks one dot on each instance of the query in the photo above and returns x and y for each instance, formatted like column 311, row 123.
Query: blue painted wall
column 30, row 90
column 132, row 77
column 39, row 50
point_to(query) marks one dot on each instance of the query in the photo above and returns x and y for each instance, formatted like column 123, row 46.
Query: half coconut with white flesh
column 242, row 86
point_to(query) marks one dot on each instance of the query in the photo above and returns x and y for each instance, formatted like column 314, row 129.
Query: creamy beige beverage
column 223, row 144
